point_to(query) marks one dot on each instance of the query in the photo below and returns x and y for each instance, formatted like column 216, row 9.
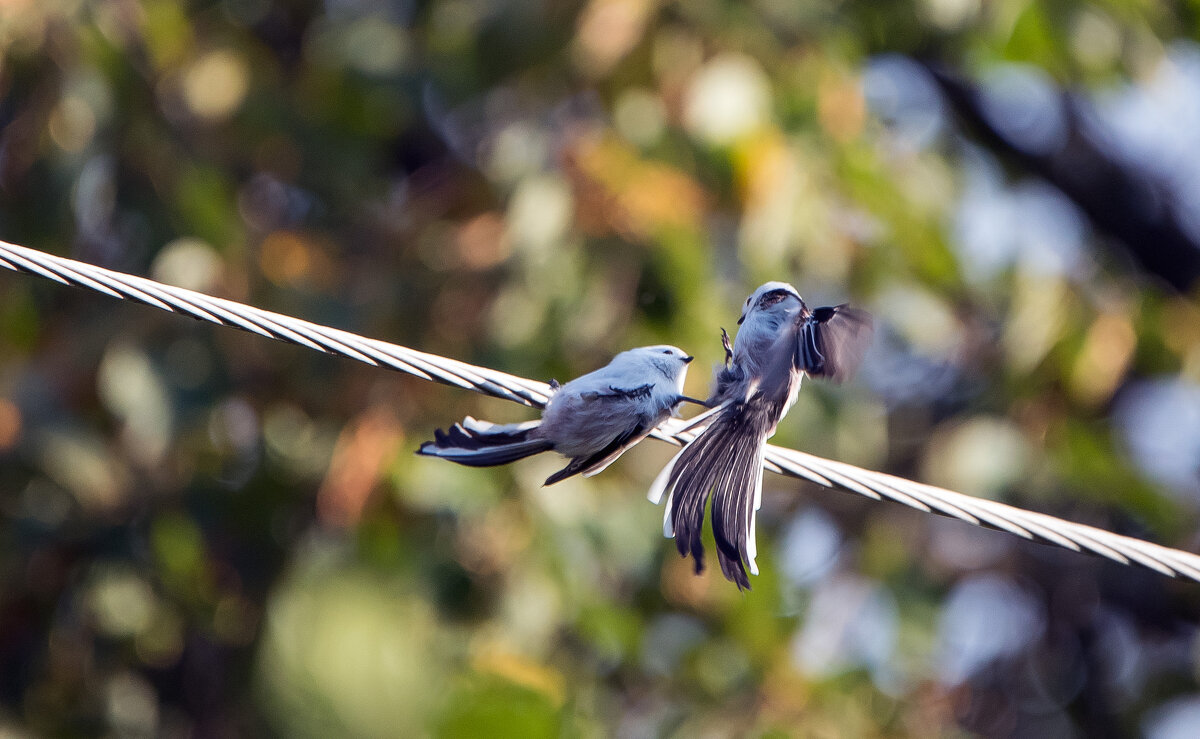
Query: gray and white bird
column 780, row 340
column 592, row 419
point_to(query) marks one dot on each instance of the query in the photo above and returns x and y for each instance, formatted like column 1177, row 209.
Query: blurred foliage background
column 205, row 533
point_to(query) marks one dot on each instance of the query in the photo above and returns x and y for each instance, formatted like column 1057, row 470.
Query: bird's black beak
column 741, row 319
column 688, row 360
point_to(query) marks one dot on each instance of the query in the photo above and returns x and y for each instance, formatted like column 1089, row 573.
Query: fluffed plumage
column 592, row 420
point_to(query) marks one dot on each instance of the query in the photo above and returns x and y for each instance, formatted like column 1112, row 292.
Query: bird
column 592, row 419
column 779, row 341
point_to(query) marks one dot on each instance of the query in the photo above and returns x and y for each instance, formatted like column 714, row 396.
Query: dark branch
column 1136, row 208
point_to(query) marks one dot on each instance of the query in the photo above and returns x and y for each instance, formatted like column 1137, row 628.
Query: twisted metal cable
column 825, row 472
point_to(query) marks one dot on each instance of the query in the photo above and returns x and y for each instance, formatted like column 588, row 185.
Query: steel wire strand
column 825, row 472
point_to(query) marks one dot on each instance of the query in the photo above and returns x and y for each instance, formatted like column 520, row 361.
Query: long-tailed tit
column 780, row 340
column 592, row 419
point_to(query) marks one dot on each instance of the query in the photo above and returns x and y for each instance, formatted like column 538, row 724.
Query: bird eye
column 666, row 351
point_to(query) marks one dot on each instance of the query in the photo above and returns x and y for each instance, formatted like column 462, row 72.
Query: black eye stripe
column 771, row 298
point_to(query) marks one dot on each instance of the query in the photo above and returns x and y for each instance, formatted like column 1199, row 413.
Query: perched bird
column 592, row 419
column 780, row 340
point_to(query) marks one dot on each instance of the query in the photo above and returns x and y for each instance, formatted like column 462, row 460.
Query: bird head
column 771, row 296
column 671, row 361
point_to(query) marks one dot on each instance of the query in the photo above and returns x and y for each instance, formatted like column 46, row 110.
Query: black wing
column 601, row 459
column 832, row 342
column 614, row 392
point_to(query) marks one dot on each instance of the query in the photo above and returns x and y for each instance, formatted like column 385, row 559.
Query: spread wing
column 832, row 342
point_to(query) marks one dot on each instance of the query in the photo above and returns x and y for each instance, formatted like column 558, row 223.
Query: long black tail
column 726, row 460
column 482, row 444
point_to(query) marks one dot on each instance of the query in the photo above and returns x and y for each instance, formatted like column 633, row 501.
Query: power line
column 825, row 472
